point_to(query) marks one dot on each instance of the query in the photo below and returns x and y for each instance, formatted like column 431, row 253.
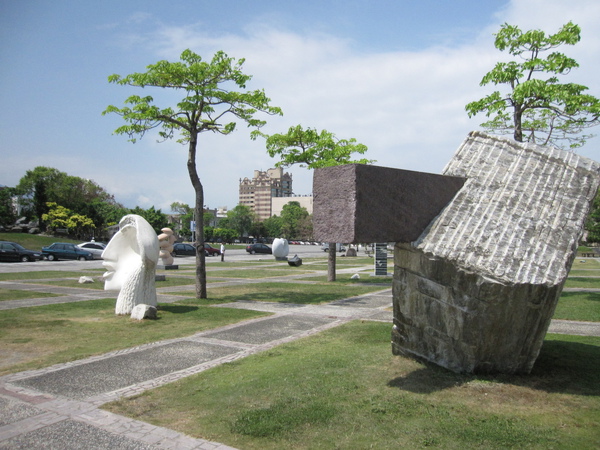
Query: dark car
column 189, row 250
column 60, row 250
column 180, row 249
column 259, row 248
column 211, row 251
column 11, row 251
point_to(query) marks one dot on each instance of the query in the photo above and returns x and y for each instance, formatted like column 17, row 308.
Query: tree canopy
column 207, row 104
column 293, row 220
column 312, row 148
column 44, row 185
column 240, row 219
column 535, row 106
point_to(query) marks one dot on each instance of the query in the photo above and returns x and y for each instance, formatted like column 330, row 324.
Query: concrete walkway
column 58, row 407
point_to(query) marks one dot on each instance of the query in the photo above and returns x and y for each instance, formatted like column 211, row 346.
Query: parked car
column 211, row 251
column 181, row 249
column 11, row 251
column 95, row 248
column 259, row 248
column 60, row 250
column 340, row 247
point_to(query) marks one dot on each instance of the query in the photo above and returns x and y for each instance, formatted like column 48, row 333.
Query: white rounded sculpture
column 281, row 248
column 165, row 242
column 130, row 261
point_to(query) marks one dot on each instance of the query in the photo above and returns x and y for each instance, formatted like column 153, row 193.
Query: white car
column 95, row 248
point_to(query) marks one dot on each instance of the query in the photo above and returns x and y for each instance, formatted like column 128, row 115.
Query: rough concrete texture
column 476, row 291
column 361, row 203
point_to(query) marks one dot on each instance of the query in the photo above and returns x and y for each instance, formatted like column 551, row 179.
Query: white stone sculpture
column 281, row 248
column 142, row 311
column 130, row 261
column 165, row 242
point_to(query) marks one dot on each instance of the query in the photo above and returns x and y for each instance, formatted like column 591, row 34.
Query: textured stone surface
column 141, row 312
column 476, row 291
column 361, row 203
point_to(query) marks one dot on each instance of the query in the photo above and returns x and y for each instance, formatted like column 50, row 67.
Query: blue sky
column 394, row 74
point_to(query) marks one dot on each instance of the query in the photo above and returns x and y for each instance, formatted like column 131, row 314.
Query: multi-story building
column 258, row 191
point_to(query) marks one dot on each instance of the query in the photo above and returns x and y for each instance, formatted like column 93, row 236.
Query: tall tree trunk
column 199, row 218
column 518, row 123
column 331, row 261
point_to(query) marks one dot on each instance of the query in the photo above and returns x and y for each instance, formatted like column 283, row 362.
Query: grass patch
column 583, row 306
column 342, row 388
column 586, row 263
column 44, row 274
column 99, row 284
column 36, row 337
column 345, row 278
column 282, row 293
column 583, row 282
column 14, row 294
column 256, row 273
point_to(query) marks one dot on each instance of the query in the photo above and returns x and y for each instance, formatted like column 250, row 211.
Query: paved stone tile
column 260, row 332
column 85, row 380
column 73, row 435
column 13, row 411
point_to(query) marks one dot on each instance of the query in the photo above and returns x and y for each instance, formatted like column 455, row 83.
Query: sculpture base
column 168, row 267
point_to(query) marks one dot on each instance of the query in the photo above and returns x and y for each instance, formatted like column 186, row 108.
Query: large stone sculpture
column 476, row 286
column 165, row 242
column 281, row 248
column 130, row 261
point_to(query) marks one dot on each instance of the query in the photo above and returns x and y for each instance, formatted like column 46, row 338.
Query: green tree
column 240, row 219
column 186, row 216
column 155, row 217
column 77, row 225
column 224, row 234
column 536, row 107
column 272, row 226
column 7, row 210
column 292, row 215
column 57, row 216
column 42, row 185
column 206, row 104
column 81, row 226
column 305, row 228
column 313, row 149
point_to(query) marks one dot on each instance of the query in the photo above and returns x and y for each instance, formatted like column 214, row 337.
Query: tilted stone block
column 477, row 290
column 360, row 203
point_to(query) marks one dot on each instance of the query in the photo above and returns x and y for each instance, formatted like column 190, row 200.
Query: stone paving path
column 58, row 406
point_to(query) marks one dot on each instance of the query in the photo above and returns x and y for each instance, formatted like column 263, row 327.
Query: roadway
column 303, row 251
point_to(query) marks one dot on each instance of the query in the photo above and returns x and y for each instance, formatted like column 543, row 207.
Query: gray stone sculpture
column 130, row 261
column 475, row 288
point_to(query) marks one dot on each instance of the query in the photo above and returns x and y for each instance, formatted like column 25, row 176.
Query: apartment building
column 264, row 185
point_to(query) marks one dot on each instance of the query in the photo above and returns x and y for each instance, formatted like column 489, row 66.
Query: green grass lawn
column 46, row 274
column 343, row 388
column 582, row 282
column 15, row 294
column 584, row 306
column 36, row 337
column 258, row 273
column 300, row 293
